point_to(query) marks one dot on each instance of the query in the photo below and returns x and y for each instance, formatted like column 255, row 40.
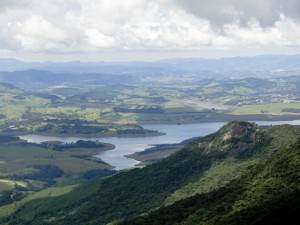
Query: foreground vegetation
column 50, row 192
column 241, row 174
column 27, row 168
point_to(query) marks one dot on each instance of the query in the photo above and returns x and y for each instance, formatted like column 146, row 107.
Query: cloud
column 36, row 33
column 66, row 26
column 99, row 40
column 4, row 4
column 221, row 12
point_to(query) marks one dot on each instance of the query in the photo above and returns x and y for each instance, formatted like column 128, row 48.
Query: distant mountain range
column 264, row 65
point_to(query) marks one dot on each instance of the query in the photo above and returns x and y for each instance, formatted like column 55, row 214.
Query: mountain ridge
column 270, row 64
column 176, row 180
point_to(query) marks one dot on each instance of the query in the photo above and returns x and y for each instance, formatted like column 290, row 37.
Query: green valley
column 83, row 145
column 242, row 174
column 27, row 168
column 160, row 112
column 68, row 109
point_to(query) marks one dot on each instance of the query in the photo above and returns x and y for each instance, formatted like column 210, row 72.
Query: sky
column 121, row 30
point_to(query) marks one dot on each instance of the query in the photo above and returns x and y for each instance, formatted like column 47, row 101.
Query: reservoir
column 128, row 145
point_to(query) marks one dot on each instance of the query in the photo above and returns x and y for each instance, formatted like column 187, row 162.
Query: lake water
column 125, row 146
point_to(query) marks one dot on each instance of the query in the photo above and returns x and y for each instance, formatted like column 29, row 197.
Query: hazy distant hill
column 265, row 65
column 37, row 79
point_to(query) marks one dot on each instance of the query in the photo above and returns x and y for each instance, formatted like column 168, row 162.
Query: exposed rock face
column 235, row 137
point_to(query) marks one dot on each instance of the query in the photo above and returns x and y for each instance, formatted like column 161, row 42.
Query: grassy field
column 7, row 184
column 272, row 108
column 46, row 193
column 27, row 168
column 19, row 158
column 98, row 104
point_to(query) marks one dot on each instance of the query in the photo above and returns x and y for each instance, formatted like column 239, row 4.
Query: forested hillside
column 242, row 174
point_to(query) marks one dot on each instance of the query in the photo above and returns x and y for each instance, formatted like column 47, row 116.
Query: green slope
column 268, row 193
column 206, row 169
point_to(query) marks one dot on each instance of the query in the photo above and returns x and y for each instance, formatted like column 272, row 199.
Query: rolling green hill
column 268, row 193
column 242, row 174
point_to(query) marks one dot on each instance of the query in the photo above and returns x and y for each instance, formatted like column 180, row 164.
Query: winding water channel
column 125, row 146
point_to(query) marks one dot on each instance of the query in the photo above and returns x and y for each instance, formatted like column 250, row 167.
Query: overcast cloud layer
column 58, row 27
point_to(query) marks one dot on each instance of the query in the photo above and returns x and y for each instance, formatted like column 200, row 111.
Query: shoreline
column 226, row 118
column 125, row 146
column 18, row 134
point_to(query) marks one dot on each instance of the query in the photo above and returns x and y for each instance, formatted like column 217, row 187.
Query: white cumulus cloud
column 66, row 26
